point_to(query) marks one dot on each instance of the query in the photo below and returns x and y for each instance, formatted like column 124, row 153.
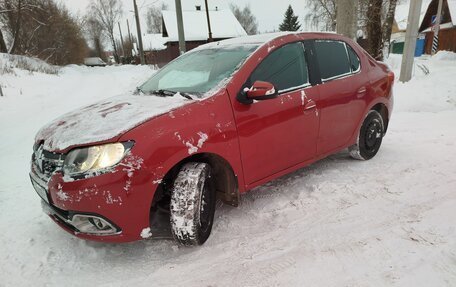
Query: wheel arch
column 226, row 181
column 383, row 110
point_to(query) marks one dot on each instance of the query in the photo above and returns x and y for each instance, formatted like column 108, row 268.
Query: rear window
column 285, row 68
column 333, row 59
column 354, row 59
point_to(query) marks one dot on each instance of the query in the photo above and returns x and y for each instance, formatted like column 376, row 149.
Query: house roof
column 154, row 42
column 223, row 25
column 402, row 11
column 452, row 8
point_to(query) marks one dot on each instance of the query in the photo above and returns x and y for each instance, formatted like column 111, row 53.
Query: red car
column 214, row 123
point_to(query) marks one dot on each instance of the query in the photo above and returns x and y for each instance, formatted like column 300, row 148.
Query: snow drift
column 389, row 221
column 10, row 63
column 431, row 92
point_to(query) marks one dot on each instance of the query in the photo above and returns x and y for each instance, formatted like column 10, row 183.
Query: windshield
column 199, row 71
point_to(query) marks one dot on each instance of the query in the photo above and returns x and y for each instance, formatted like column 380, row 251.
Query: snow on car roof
column 259, row 39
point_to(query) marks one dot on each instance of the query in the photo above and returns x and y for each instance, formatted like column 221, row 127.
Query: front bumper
column 121, row 198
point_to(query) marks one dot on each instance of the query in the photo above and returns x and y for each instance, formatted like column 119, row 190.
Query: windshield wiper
column 169, row 93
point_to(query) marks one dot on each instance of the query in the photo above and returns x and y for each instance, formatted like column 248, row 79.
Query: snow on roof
column 154, row 42
column 223, row 25
column 452, row 8
column 402, row 11
column 448, row 25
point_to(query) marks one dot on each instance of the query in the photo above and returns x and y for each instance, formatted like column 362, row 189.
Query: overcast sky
column 269, row 13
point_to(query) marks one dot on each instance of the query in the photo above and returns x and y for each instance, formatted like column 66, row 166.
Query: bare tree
column 246, row 18
column 94, row 32
column 388, row 25
column 12, row 17
column 374, row 29
column 375, row 17
column 322, row 15
column 43, row 29
column 108, row 13
column 3, row 48
column 154, row 18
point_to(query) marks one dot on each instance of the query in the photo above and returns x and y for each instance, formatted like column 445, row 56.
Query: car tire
column 369, row 138
column 192, row 207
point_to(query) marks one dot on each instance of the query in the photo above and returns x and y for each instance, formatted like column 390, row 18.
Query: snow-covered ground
column 339, row 222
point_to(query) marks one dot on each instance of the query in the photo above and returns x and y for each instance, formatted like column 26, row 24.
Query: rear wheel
column 192, row 204
column 370, row 137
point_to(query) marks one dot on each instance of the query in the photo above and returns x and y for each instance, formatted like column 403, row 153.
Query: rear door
column 279, row 133
column 341, row 93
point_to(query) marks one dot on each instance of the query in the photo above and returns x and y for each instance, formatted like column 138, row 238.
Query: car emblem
column 39, row 158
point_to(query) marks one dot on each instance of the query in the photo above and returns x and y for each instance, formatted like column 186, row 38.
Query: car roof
column 262, row 39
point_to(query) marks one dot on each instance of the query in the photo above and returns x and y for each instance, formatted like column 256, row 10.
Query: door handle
column 361, row 92
column 310, row 105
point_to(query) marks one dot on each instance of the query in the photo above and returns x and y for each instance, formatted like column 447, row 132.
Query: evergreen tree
column 290, row 22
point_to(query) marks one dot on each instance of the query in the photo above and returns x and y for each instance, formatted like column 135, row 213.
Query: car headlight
column 94, row 158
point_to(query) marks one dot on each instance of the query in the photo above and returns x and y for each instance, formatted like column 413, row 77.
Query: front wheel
column 192, row 204
column 370, row 137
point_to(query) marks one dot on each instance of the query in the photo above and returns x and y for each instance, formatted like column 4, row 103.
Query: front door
column 279, row 133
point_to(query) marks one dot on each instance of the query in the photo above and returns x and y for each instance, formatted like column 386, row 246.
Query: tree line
column 42, row 29
column 47, row 30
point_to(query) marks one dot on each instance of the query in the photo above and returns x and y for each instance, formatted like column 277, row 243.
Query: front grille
column 45, row 163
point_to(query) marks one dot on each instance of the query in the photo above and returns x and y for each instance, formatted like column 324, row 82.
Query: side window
column 354, row 60
column 332, row 58
column 285, row 68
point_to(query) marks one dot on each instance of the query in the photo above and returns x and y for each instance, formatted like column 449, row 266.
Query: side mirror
column 261, row 91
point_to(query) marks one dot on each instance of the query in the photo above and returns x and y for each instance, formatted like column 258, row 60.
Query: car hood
column 105, row 120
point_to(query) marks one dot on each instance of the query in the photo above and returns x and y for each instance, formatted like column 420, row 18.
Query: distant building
column 447, row 34
column 162, row 48
column 400, row 27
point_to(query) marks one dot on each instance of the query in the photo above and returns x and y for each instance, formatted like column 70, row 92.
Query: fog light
column 93, row 225
column 99, row 223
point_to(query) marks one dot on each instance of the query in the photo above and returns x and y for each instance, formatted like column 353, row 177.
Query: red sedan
column 214, row 123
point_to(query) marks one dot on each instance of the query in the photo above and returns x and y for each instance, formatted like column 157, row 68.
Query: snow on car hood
column 105, row 120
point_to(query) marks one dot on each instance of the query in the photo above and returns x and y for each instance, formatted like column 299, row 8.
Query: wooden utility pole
column 410, row 40
column 438, row 19
column 138, row 28
column 180, row 27
column 208, row 22
column 121, row 40
column 347, row 18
